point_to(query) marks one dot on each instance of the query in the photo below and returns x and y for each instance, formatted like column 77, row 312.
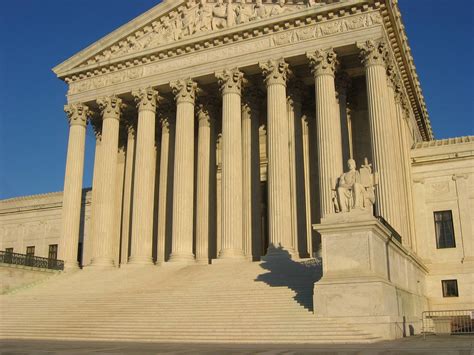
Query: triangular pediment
column 173, row 21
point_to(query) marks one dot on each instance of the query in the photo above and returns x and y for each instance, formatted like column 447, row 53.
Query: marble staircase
column 267, row 302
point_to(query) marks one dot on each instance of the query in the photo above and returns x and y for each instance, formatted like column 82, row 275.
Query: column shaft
column 374, row 55
column 163, row 190
column 401, row 224
column 144, row 187
column 183, row 190
column 72, row 197
column 203, row 185
column 105, row 197
column 307, row 184
column 231, row 82
column 328, row 127
column 279, row 214
column 128, row 195
column 247, row 179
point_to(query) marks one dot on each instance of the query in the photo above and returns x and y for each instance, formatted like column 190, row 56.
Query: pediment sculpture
column 355, row 189
column 198, row 17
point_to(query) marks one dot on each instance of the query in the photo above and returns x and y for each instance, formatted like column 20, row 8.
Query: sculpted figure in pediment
column 203, row 17
column 219, row 13
column 260, row 11
column 243, row 12
column 280, row 8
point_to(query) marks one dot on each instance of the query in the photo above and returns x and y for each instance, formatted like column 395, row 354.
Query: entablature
column 332, row 24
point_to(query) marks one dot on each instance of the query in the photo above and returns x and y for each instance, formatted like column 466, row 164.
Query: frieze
column 308, row 32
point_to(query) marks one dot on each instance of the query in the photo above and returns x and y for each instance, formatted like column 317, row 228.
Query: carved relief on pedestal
column 355, row 189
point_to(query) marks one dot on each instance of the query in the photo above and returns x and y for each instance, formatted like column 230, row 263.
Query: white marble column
column 144, row 186
column 328, row 126
column 401, row 206
column 298, row 225
column 183, row 189
column 111, row 108
column 279, row 215
column 78, row 115
column 250, row 120
column 163, row 214
column 406, row 141
column 307, row 182
column 203, row 184
column 119, row 191
column 128, row 192
column 230, row 82
column 88, row 248
column 374, row 55
column 343, row 82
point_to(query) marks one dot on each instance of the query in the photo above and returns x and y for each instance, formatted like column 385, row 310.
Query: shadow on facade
column 298, row 276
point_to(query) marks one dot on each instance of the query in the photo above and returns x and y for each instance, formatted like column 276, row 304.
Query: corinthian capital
column 373, row 52
column 275, row 71
column 146, row 99
column 77, row 114
column 204, row 115
column 323, row 62
column 230, row 81
column 111, row 107
column 184, row 90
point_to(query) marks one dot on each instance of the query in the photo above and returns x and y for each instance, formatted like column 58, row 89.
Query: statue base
column 369, row 279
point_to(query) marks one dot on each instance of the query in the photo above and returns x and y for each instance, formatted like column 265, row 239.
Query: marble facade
column 222, row 134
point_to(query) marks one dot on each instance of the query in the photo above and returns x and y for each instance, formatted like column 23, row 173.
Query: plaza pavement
column 433, row 345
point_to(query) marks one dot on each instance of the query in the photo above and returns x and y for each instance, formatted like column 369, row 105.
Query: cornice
column 402, row 53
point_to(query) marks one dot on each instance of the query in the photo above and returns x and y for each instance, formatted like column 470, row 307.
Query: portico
column 221, row 99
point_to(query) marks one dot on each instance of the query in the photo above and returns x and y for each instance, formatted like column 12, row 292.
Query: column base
column 71, row 266
column 202, row 261
column 279, row 252
column 181, row 259
column 101, row 262
column 140, row 260
column 231, row 254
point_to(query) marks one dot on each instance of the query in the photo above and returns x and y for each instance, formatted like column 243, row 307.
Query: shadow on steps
column 298, row 276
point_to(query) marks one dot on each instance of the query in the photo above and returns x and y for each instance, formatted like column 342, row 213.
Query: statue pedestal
column 369, row 278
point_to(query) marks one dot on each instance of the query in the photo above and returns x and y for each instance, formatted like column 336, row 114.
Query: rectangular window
column 8, row 258
column 30, row 253
column 450, row 288
column 53, row 252
column 444, row 229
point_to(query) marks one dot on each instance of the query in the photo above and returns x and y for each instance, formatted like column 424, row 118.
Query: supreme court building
column 239, row 132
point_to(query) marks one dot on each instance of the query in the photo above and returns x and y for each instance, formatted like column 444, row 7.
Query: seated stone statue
column 355, row 189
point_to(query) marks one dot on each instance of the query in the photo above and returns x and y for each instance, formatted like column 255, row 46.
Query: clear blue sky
column 39, row 34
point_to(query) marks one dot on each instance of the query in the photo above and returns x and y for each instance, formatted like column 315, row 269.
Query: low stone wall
column 15, row 277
